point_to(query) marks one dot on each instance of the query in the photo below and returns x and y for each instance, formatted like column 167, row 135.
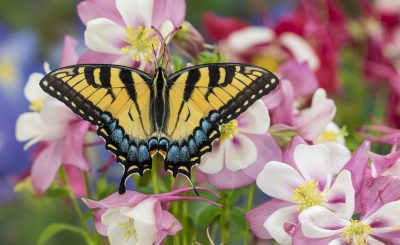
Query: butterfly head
column 163, row 56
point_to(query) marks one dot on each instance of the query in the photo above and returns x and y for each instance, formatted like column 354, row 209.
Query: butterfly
column 177, row 116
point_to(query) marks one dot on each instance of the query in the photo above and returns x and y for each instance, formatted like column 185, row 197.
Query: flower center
column 331, row 136
column 140, row 43
column 228, row 130
column 7, row 73
column 37, row 104
column 130, row 230
column 357, row 233
column 308, row 195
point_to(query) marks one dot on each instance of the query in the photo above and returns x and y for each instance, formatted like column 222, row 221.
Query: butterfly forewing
column 205, row 97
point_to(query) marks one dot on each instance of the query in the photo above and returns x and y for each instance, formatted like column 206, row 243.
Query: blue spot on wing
column 133, row 154
column 200, row 137
column 117, row 135
column 124, row 146
column 192, row 147
column 173, row 154
column 206, row 126
column 184, row 154
column 143, row 153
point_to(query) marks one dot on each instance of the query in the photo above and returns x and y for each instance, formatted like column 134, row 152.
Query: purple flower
column 241, row 152
column 135, row 218
column 120, row 32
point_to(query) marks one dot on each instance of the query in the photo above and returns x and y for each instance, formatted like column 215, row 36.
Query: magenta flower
column 308, row 182
column 135, row 218
column 54, row 124
column 241, row 152
column 379, row 223
column 385, row 165
column 119, row 32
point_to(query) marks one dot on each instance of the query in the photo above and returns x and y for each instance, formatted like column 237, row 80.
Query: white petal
column 372, row 241
column 213, row 162
column 388, row 214
column 56, row 114
column 32, row 90
column 246, row 38
column 333, row 127
column 136, row 12
column 337, row 241
column 279, row 180
column 342, row 189
column 313, row 163
column 147, row 233
column 301, row 50
column 112, row 218
column 240, row 152
column 255, row 120
column 30, row 126
column 276, row 221
column 319, row 222
column 144, row 212
column 103, row 35
column 166, row 28
column 339, row 156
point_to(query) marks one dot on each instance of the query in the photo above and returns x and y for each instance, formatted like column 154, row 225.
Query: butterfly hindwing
column 201, row 99
column 116, row 99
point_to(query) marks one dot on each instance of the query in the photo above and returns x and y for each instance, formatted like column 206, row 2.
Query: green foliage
column 55, row 228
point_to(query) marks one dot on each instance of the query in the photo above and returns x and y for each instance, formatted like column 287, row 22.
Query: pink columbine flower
column 120, row 32
column 296, row 187
column 383, row 165
column 378, row 224
column 241, row 152
column 135, row 218
column 56, row 126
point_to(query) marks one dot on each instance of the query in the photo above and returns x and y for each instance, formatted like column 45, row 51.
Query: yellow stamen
column 228, row 130
column 356, row 233
column 266, row 61
column 308, row 195
column 37, row 104
column 140, row 43
column 130, row 232
column 331, row 136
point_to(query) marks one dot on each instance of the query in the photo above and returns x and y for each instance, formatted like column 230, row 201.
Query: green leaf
column 55, row 228
column 236, row 215
column 206, row 216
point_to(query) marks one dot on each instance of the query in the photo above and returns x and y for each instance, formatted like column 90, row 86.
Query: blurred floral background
column 337, row 102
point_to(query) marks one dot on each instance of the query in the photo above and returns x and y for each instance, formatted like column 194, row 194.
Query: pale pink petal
column 377, row 192
column 283, row 112
column 74, row 145
column 213, row 162
column 312, row 121
column 136, row 12
column 105, row 36
column 385, row 238
column 300, row 239
column 385, row 217
column 381, row 163
column 341, row 196
column 166, row 224
column 100, row 227
column 301, row 50
column 300, row 76
column 240, row 41
column 129, row 199
column 240, row 152
column 255, row 120
column 173, row 10
column 93, row 9
column 288, row 153
column 313, row 163
column 166, row 28
column 76, row 180
column 257, row 216
column 46, row 165
column 319, row 222
column 340, row 241
column 279, row 180
column 357, row 166
column 276, row 221
column 32, row 89
column 270, row 151
column 56, row 114
column 69, row 55
column 339, row 156
column 91, row 57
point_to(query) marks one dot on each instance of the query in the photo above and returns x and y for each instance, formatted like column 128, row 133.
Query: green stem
column 185, row 221
column 75, row 204
column 249, row 207
column 87, row 184
column 222, row 220
column 154, row 176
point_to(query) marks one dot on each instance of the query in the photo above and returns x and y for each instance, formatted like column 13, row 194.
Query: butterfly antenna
column 191, row 183
column 161, row 51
